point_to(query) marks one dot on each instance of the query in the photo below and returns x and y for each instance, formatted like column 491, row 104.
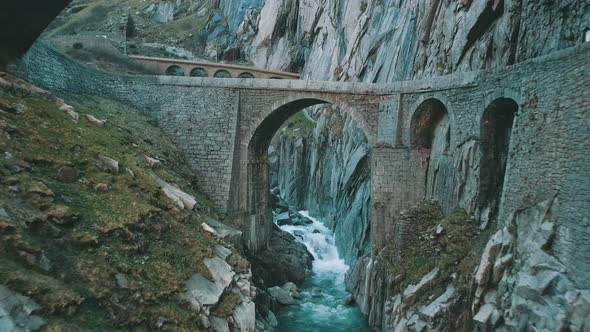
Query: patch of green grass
column 130, row 230
column 298, row 126
column 89, row 317
column 90, row 18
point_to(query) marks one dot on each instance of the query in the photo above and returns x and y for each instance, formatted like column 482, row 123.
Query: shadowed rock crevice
column 493, row 10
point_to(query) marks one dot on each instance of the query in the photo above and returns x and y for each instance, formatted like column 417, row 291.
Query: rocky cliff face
column 384, row 41
column 323, row 165
column 326, row 171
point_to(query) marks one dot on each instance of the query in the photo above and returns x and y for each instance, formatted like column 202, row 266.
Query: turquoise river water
column 323, row 313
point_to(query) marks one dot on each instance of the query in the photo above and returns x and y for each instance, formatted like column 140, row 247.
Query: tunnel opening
column 495, row 132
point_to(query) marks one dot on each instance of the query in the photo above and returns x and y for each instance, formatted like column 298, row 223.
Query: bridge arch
column 199, row 72
column 425, row 119
column 287, row 107
column 496, row 125
column 430, row 142
column 222, row 73
column 494, row 96
column 424, row 101
column 258, row 136
column 174, row 70
column 246, row 75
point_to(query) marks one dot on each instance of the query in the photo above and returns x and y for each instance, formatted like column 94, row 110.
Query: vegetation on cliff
column 451, row 243
column 85, row 229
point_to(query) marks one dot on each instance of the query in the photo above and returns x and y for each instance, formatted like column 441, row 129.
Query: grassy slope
column 187, row 31
column 132, row 229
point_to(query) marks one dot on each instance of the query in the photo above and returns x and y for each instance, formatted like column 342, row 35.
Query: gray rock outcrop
column 205, row 295
column 286, row 260
column 384, row 41
column 530, row 287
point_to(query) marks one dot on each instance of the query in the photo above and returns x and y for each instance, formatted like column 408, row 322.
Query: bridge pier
column 257, row 227
column 397, row 183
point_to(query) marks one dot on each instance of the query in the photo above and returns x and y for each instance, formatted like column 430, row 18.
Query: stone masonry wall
column 201, row 121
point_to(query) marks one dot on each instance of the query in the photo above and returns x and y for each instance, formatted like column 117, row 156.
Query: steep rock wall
column 326, row 171
column 384, row 41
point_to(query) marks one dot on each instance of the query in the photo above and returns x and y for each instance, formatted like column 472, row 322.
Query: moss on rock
column 452, row 243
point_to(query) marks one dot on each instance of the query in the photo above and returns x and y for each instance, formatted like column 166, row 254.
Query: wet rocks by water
column 291, row 287
column 287, row 215
column 281, row 295
column 349, row 300
column 316, row 292
column 286, row 260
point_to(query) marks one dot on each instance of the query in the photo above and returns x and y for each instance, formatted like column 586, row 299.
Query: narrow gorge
column 295, row 165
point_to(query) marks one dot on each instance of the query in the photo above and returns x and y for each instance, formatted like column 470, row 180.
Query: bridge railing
column 176, row 67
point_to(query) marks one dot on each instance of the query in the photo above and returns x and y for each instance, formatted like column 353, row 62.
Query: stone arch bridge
column 176, row 67
column 224, row 127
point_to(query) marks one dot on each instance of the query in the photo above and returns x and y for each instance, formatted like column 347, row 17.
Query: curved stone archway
column 222, row 74
column 284, row 108
column 425, row 120
column 429, row 100
column 199, row 72
column 175, row 70
column 246, row 75
column 430, row 144
column 496, row 126
column 255, row 191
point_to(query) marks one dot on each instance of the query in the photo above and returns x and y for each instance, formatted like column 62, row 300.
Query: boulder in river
column 282, row 296
column 296, row 295
column 290, row 286
column 283, row 219
column 316, row 292
column 348, row 301
column 285, row 260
